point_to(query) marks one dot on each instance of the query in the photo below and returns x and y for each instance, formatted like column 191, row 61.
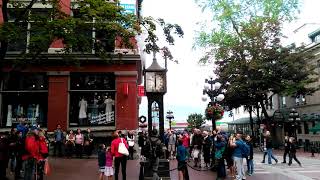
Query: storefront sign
column 102, row 118
column 129, row 6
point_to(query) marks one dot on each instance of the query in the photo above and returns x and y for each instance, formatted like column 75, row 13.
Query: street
column 85, row 169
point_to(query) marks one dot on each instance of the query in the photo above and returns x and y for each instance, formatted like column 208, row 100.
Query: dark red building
column 95, row 93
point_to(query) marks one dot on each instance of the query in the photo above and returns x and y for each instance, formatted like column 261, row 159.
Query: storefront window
column 24, row 99
column 92, row 99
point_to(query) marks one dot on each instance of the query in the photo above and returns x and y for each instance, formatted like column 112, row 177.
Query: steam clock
column 156, row 88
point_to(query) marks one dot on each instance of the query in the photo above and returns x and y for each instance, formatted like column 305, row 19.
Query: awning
column 245, row 120
column 316, row 128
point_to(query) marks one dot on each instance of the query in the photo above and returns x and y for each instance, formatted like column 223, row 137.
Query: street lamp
column 170, row 117
column 212, row 88
column 293, row 118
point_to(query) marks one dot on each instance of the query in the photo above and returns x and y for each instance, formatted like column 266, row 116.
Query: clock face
column 160, row 84
column 150, row 82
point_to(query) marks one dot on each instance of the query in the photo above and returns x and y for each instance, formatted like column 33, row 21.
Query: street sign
column 129, row 6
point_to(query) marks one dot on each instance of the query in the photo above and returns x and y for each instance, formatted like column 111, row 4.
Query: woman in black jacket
column 292, row 151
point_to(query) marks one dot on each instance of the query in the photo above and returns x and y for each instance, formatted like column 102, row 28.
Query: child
column 109, row 160
column 250, row 157
column 102, row 160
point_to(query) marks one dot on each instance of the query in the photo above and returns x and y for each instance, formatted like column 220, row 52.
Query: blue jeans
column 250, row 166
column 270, row 155
column 29, row 169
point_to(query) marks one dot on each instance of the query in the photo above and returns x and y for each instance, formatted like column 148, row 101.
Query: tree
column 109, row 20
column 195, row 120
column 250, row 60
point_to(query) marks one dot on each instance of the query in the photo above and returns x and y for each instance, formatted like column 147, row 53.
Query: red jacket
column 43, row 148
column 115, row 145
column 186, row 141
column 32, row 147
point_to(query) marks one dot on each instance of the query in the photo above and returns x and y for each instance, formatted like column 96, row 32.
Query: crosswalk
column 310, row 169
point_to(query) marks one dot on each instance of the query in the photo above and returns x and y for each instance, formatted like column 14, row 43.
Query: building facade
column 101, row 94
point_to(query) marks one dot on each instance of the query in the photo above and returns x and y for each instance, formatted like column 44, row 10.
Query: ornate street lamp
column 170, row 117
column 294, row 117
column 212, row 88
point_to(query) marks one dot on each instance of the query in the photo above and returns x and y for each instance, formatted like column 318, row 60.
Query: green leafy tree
column 195, row 120
column 109, row 20
column 251, row 62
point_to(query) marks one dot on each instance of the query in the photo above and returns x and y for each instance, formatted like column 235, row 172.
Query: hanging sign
column 141, row 91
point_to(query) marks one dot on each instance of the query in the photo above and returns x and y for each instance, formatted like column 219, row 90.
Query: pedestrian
column 131, row 140
column 109, row 164
column 269, row 146
column 172, row 144
column 70, row 143
column 182, row 161
column 197, row 145
column 154, row 148
column 238, row 145
column 102, row 161
column 292, row 151
column 12, row 140
column 88, row 143
column 229, row 156
column 119, row 158
column 249, row 159
column 58, row 141
column 4, row 155
column 32, row 154
column 206, row 147
column 220, row 145
column 43, row 150
column 79, row 141
column 186, row 143
column 286, row 149
column 141, row 141
column 20, row 149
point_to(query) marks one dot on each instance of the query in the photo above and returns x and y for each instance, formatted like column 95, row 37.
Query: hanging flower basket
column 214, row 112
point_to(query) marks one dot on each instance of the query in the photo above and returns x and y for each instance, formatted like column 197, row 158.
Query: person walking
column 20, row 149
column 79, row 141
column 238, row 145
column 44, row 152
column 292, row 151
column 220, row 145
column 32, row 154
column 131, row 142
column 70, row 143
column 286, row 149
column 269, row 146
column 12, row 139
column 119, row 158
column 249, row 159
column 182, row 161
column 102, row 161
column 206, row 147
column 58, row 141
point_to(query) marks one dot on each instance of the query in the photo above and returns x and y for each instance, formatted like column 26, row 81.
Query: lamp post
column 170, row 117
column 212, row 89
column 293, row 118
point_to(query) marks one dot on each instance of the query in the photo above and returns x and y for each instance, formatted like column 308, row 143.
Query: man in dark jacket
column 154, row 147
column 20, row 149
column 250, row 167
column 207, row 143
column 4, row 156
column 286, row 149
column 197, row 146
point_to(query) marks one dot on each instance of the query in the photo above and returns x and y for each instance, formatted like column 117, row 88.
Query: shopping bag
column 122, row 149
column 195, row 153
column 47, row 169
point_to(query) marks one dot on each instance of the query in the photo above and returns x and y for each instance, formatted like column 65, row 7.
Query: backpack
column 245, row 149
column 153, row 149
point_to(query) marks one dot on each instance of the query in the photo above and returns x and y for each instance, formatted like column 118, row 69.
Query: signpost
column 129, row 6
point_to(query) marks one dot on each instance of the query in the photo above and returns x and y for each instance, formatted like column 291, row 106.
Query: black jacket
column 250, row 144
column 102, row 158
column 269, row 143
column 286, row 145
column 292, row 147
column 197, row 141
column 207, row 144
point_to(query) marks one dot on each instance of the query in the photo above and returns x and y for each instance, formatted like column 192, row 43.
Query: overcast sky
column 186, row 79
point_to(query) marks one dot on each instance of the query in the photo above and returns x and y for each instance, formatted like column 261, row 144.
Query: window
column 24, row 99
column 92, row 99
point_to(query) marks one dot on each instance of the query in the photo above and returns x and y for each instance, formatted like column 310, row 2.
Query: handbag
column 122, row 149
column 47, row 169
column 196, row 153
